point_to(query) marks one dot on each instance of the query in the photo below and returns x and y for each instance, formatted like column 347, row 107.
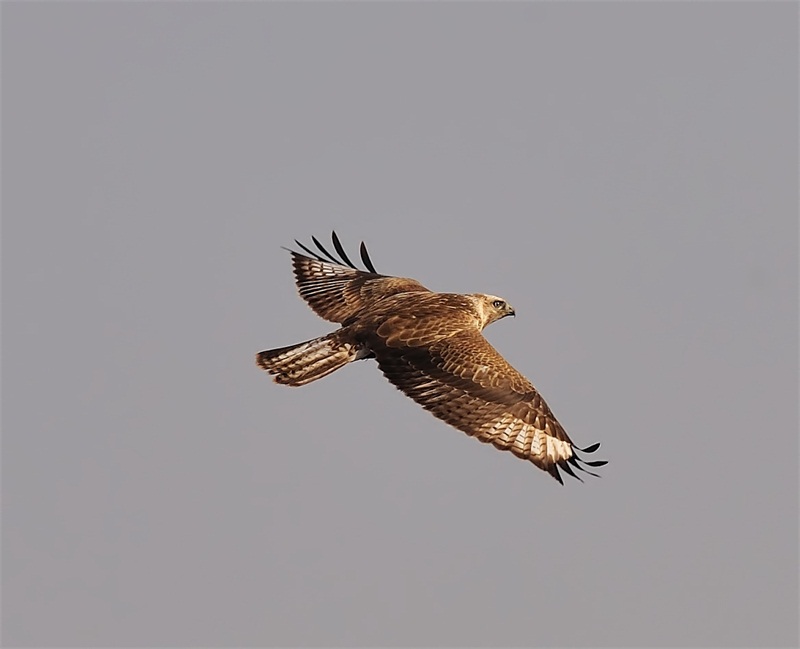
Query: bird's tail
column 308, row 361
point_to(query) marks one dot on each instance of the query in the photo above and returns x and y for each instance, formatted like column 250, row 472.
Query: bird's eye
column 497, row 304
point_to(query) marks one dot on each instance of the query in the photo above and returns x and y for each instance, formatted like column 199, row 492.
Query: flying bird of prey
column 430, row 346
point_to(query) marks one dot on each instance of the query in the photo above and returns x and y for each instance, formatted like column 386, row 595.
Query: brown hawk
column 430, row 346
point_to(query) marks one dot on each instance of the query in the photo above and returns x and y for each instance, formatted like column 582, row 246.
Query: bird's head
column 491, row 308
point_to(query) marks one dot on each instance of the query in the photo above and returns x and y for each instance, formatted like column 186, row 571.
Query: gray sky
column 624, row 174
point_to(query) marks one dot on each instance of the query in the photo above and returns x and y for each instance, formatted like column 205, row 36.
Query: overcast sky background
column 624, row 174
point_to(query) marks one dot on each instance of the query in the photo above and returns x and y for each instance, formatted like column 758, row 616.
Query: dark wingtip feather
column 365, row 258
column 340, row 249
column 326, row 257
column 596, row 463
column 330, row 257
column 578, row 462
column 566, row 467
column 313, row 254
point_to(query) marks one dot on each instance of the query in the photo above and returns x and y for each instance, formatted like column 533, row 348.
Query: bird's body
column 430, row 346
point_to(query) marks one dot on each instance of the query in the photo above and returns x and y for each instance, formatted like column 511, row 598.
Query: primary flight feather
column 430, row 346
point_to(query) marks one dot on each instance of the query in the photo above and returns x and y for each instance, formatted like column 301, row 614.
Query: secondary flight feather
column 430, row 346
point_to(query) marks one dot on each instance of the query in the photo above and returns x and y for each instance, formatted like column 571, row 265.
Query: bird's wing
column 465, row 381
column 335, row 288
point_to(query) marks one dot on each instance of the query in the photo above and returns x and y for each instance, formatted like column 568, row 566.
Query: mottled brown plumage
column 430, row 346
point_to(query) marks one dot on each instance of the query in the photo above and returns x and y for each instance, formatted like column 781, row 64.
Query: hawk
column 430, row 346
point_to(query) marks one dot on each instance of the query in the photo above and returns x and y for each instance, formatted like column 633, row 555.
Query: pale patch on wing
column 526, row 440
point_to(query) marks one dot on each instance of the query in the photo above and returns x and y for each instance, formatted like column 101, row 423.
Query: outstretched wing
column 465, row 381
column 335, row 288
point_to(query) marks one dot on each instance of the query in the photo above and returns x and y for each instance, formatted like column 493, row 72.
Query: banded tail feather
column 308, row 361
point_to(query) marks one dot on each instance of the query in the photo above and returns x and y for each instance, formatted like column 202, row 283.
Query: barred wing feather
column 465, row 382
column 335, row 288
